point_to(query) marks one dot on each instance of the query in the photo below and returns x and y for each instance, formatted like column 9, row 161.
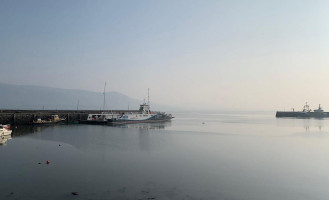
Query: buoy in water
column 47, row 162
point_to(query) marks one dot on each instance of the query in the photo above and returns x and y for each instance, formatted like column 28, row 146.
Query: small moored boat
column 53, row 119
column 4, row 139
column 5, row 130
column 100, row 118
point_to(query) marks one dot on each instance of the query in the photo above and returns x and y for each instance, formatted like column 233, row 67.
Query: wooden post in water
column 14, row 119
column 67, row 118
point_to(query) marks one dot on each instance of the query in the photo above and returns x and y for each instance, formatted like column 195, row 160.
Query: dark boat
column 305, row 113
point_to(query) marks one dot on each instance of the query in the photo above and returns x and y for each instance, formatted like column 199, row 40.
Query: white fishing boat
column 144, row 115
column 100, row 118
column 5, row 130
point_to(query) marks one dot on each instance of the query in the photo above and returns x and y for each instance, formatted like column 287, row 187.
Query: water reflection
column 160, row 125
column 307, row 124
column 4, row 139
column 18, row 131
column 144, row 140
column 307, row 128
column 251, row 161
column 103, row 138
column 27, row 129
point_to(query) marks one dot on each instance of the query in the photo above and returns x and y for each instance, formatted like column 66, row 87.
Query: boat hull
column 124, row 121
column 6, row 132
column 280, row 114
column 4, row 139
column 137, row 121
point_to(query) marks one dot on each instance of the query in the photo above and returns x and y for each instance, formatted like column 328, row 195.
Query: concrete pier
column 26, row 117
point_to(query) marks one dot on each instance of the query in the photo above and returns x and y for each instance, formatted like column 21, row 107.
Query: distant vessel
column 5, row 130
column 305, row 113
column 143, row 115
column 53, row 119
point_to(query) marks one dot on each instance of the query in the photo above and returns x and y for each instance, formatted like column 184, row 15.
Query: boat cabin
column 319, row 109
column 54, row 118
column 144, row 108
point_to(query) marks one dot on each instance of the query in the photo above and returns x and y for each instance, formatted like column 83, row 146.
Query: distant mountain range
column 38, row 97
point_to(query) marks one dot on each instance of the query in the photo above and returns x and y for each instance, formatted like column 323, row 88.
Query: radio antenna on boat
column 104, row 97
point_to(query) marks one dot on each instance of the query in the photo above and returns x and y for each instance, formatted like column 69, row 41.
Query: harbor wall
column 26, row 117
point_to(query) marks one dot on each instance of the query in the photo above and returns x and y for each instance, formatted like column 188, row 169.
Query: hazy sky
column 249, row 55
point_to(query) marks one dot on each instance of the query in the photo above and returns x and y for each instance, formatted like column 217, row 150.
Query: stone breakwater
column 26, row 117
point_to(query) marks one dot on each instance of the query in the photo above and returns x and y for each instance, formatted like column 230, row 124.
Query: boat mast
column 148, row 100
column 104, row 97
column 148, row 96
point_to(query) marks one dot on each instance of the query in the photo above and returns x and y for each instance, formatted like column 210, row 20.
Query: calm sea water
column 242, row 156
